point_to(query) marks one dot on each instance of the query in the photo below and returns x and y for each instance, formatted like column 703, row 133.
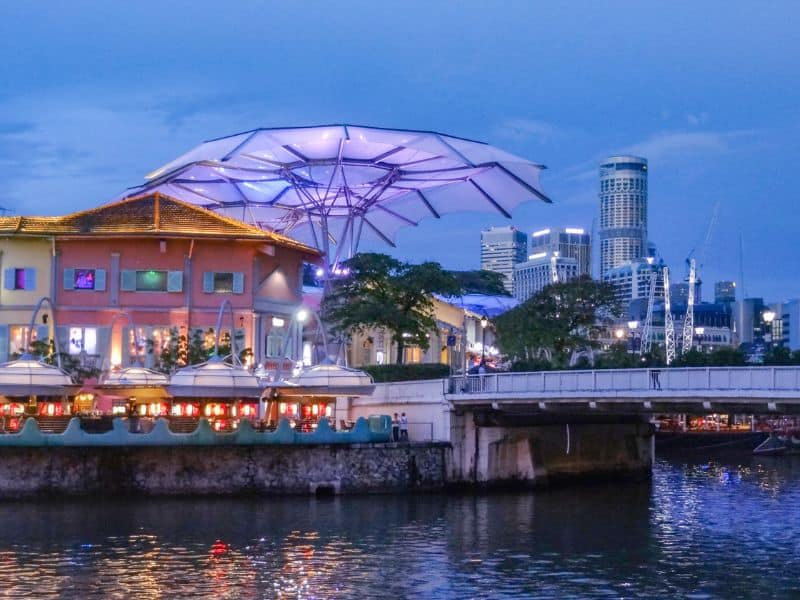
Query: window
column 19, row 279
column 85, row 279
column 82, row 339
column 151, row 280
column 17, row 336
column 223, row 282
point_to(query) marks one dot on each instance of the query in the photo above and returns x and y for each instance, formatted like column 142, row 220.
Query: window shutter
column 208, row 282
column 127, row 280
column 99, row 280
column 3, row 343
column 8, row 283
column 175, row 281
column 238, row 283
column 30, row 279
column 69, row 279
column 101, row 347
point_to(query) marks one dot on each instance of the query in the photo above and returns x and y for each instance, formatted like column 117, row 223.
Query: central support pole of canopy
column 35, row 314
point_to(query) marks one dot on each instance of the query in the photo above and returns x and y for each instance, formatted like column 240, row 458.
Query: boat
column 778, row 444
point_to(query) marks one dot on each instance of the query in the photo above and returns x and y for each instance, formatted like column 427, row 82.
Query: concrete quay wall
column 222, row 470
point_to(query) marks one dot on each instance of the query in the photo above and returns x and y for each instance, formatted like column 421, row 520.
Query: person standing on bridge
column 655, row 384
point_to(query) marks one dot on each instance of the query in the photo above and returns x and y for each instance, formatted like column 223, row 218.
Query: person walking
column 403, row 427
column 654, row 379
column 395, row 428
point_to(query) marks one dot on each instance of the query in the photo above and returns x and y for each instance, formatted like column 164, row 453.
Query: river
column 728, row 527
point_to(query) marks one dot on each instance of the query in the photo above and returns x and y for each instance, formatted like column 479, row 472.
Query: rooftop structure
column 569, row 242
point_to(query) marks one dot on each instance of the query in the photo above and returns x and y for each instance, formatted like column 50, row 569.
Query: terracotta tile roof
column 151, row 214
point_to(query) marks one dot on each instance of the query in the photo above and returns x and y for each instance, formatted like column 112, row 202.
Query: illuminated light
column 574, row 230
column 537, row 255
column 329, row 410
column 301, row 315
column 315, row 410
column 278, row 322
column 541, row 232
column 619, row 333
column 650, row 260
column 633, row 325
column 143, row 409
column 320, row 272
column 176, row 410
column 282, row 408
column 208, row 410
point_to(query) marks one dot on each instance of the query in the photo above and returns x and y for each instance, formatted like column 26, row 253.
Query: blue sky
column 93, row 95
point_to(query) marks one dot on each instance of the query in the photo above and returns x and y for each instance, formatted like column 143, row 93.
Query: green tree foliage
column 382, row 291
column 489, row 283
column 721, row 357
column 781, row 356
column 181, row 350
column 559, row 319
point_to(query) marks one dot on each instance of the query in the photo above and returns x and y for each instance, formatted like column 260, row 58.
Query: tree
column 561, row 318
column 381, row 291
column 488, row 283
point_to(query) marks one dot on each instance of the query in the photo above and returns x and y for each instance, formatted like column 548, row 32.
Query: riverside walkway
column 703, row 390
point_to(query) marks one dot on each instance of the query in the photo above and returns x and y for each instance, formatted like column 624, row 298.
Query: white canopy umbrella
column 328, row 379
column 30, row 377
column 214, row 379
column 340, row 183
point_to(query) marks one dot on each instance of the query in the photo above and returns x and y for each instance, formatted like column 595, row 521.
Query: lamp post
column 484, row 323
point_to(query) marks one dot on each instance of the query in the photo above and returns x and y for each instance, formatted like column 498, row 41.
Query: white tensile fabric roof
column 342, row 183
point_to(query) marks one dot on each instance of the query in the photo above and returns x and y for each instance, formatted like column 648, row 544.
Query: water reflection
column 720, row 528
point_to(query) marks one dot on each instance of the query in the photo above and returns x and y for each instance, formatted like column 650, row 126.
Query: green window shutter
column 175, row 281
column 208, row 282
column 99, row 280
column 127, row 280
column 101, row 347
column 30, row 279
column 238, row 283
column 3, row 343
column 8, row 283
column 69, row 279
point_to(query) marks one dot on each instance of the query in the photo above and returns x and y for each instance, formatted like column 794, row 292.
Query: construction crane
column 669, row 325
column 647, row 328
column 688, row 320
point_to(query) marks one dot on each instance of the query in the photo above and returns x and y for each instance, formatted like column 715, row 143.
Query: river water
column 727, row 527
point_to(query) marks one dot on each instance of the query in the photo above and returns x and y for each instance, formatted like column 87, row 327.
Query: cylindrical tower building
column 623, row 211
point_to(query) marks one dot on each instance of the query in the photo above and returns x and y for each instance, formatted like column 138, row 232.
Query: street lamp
column 619, row 333
column 484, row 323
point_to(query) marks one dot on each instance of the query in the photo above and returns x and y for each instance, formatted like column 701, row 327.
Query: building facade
column 534, row 274
column 501, row 249
column 569, row 242
column 623, row 211
column 725, row 292
column 632, row 280
column 128, row 276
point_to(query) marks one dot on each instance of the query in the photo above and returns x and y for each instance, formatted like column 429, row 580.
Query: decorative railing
column 376, row 429
column 610, row 381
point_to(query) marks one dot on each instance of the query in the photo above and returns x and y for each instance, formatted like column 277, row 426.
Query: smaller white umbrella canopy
column 133, row 376
column 30, row 377
column 214, row 379
column 328, row 380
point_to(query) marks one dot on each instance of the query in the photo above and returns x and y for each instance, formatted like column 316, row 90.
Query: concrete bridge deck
column 704, row 390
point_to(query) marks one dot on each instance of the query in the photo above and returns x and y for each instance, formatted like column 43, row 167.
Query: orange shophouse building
column 166, row 264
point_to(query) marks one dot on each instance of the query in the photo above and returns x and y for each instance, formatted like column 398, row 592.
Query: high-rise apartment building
column 623, row 211
column 501, row 249
column 631, row 280
column 569, row 242
column 725, row 292
column 536, row 273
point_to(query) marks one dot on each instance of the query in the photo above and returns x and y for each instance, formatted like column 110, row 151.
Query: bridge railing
column 617, row 380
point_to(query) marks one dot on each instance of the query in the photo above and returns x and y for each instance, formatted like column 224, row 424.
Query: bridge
column 704, row 390
column 547, row 425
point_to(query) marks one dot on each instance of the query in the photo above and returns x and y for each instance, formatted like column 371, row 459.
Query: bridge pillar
column 510, row 450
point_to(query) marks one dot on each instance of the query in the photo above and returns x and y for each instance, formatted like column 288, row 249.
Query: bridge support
column 494, row 449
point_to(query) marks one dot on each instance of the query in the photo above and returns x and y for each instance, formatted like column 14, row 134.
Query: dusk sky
column 96, row 94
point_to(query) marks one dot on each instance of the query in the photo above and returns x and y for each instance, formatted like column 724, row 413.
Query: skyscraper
column 539, row 271
column 623, row 211
column 569, row 242
column 501, row 249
